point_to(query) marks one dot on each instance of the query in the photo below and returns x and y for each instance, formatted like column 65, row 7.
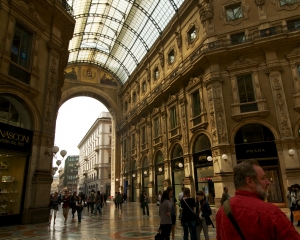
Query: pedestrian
column 297, row 193
column 225, row 195
column 53, row 205
column 73, row 200
column 119, row 201
column 165, row 210
column 66, row 205
column 98, row 203
column 92, row 199
column 144, row 202
column 105, row 198
column 291, row 196
column 88, row 203
column 188, row 207
column 204, row 211
column 173, row 200
column 158, row 198
column 115, row 199
column 79, row 205
column 180, row 195
column 125, row 197
column 255, row 218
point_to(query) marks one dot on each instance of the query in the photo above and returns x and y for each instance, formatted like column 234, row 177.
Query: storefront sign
column 15, row 138
column 255, row 150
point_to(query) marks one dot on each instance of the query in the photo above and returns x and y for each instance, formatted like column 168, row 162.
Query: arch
column 252, row 133
column 177, row 151
column 159, row 157
column 195, row 137
column 236, row 128
column 201, row 143
column 89, row 91
column 28, row 103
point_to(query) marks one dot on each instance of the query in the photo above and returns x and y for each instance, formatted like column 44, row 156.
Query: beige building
column 94, row 167
column 55, row 185
column 193, row 88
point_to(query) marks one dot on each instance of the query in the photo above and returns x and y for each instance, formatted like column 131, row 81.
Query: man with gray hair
column 254, row 218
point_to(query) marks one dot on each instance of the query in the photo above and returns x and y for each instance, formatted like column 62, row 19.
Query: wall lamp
column 224, row 157
column 117, row 180
column 160, row 169
column 180, row 165
column 133, row 175
column 291, row 152
column 145, row 172
column 209, row 158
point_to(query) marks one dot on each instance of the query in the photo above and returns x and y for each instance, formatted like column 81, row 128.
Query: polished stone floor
column 130, row 224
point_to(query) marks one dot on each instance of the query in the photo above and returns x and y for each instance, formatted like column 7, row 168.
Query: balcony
column 85, row 172
column 66, row 6
column 102, row 147
column 86, row 158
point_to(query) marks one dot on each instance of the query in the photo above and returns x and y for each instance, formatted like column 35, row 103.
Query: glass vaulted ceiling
column 116, row 34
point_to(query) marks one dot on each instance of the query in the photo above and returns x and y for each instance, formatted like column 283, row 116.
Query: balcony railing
column 66, row 6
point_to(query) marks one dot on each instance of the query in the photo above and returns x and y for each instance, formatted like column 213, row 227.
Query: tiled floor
column 113, row 224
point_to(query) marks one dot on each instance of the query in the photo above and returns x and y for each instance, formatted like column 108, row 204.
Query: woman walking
column 54, row 201
column 204, row 211
column 66, row 205
column 188, row 206
column 165, row 209
column 79, row 206
column 144, row 202
column 119, row 200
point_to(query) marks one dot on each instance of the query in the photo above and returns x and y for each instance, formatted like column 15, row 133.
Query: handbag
column 198, row 220
column 158, row 235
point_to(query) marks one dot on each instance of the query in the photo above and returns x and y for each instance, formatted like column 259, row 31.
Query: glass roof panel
column 116, row 34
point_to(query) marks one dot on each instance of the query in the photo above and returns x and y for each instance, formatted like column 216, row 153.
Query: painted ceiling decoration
column 117, row 34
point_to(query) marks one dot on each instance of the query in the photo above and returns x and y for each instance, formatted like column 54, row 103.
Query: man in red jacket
column 258, row 220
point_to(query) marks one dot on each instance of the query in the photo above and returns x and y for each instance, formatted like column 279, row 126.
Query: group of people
column 194, row 214
column 94, row 203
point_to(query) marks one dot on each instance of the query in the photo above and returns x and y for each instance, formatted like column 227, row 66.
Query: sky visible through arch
column 75, row 118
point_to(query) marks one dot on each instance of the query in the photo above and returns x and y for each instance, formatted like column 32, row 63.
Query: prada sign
column 255, row 150
column 15, row 138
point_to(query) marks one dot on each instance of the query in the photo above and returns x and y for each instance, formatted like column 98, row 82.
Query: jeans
column 189, row 226
column 166, row 230
column 205, row 229
column 145, row 205
column 119, row 206
column 92, row 205
column 98, row 207
column 292, row 216
column 79, row 214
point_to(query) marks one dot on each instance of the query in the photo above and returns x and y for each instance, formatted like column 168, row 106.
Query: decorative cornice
column 242, row 63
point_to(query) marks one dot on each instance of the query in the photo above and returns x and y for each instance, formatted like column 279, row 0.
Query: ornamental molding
column 178, row 39
column 172, row 99
column 245, row 9
column 294, row 53
column 161, row 59
column 192, row 44
column 242, row 63
column 155, row 111
column 206, row 11
column 260, row 3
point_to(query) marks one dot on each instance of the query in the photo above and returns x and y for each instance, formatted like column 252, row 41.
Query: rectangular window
column 144, row 86
column 238, row 38
column 143, row 135
column 196, row 104
column 234, row 12
column 171, row 57
column 267, row 32
column 156, row 73
column 288, row 2
column 173, row 118
column 246, row 93
column 133, row 141
column 156, row 127
column 293, row 25
column 192, row 34
column 21, row 46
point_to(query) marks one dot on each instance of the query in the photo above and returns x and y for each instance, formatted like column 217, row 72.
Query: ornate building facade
column 34, row 39
column 221, row 85
column 94, row 167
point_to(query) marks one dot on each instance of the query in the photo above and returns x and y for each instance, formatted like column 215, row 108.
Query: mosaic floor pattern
column 130, row 224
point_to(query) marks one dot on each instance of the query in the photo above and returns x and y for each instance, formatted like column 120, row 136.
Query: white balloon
column 58, row 162
column 63, row 153
column 55, row 149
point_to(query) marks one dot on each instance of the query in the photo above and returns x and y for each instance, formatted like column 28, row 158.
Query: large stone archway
column 95, row 82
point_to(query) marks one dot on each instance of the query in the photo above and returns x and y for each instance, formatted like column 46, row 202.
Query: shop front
column 177, row 168
column 255, row 141
column 159, row 172
column 15, row 149
column 203, row 169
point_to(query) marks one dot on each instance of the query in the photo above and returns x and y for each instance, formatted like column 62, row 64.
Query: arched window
column 134, row 97
column 252, row 133
column 13, row 112
column 202, row 143
column 159, row 158
column 177, row 151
